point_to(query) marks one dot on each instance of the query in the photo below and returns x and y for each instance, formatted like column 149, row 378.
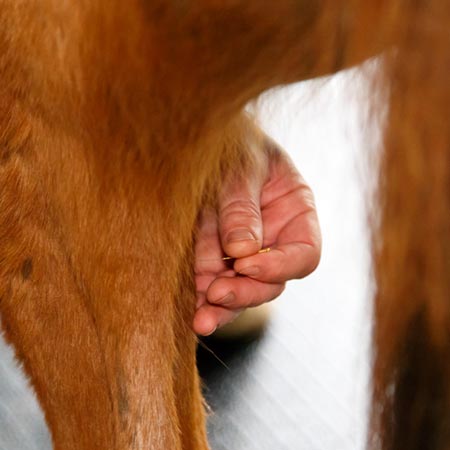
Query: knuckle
column 243, row 208
column 307, row 260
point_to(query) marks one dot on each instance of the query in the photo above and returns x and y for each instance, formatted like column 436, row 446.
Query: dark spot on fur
column 27, row 268
column 5, row 155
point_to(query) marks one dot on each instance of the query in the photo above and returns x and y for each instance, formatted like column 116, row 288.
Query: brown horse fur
column 117, row 119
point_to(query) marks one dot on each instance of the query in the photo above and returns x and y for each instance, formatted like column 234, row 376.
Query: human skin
column 268, row 206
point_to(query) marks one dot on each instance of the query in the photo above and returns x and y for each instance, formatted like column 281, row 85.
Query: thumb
column 240, row 223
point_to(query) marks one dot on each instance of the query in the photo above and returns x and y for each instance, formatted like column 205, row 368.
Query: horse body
column 117, row 121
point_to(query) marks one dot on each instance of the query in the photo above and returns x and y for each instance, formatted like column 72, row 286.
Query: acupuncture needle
column 231, row 258
column 263, row 250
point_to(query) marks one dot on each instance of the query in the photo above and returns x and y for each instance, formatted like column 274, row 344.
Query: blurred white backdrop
column 323, row 126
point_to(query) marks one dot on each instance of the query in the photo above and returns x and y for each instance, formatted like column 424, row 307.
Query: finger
column 202, row 283
column 240, row 223
column 209, row 317
column 286, row 262
column 242, row 292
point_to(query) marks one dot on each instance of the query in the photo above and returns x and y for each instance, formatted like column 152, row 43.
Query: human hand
column 271, row 207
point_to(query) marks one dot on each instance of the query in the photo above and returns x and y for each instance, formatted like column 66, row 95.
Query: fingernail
column 251, row 271
column 224, row 300
column 240, row 234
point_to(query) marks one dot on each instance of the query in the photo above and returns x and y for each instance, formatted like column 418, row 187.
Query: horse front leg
column 97, row 315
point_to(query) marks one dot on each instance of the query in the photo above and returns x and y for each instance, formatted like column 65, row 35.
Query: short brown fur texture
column 116, row 118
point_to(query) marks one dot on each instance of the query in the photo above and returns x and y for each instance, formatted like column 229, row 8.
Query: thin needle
column 263, row 250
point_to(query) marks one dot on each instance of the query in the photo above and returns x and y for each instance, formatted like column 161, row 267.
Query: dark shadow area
column 215, row 355
column 224, row 366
